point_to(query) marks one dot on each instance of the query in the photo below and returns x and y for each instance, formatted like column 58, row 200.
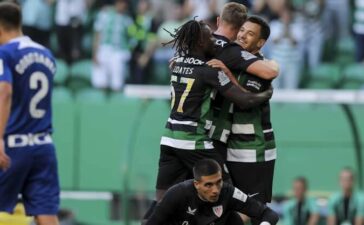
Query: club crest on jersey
column 247, row 55
column 218, row 210
column 223, row 79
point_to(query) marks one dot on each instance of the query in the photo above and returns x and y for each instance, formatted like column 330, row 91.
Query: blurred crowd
column 345, row 207
column 304, row 34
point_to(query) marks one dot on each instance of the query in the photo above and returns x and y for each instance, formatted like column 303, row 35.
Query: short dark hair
column 264, row 26
column 10, row 15
column 205, row 167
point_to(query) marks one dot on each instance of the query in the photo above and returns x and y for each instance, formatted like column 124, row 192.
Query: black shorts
column 175, row 165
column 254, row 179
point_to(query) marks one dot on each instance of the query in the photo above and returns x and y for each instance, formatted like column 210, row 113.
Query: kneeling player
column 208, row 200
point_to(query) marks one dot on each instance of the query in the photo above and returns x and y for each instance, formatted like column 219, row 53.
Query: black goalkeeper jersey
column 181, row 205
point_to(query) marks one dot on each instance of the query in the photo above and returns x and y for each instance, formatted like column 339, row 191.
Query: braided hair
column 187, row 37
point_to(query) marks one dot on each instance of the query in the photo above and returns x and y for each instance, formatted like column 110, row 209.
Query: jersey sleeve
column 166, row 208
column 5, row 71
column 331, row 205
column 217, row 79
column 101, row 20
column 361, row 206
column 237, row 59
column 287, row 213
column 240, row 202
column 313, row 206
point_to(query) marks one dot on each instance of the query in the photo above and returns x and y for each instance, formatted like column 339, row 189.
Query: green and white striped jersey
column 248, row 133
column 192, row 82
column 113, row 28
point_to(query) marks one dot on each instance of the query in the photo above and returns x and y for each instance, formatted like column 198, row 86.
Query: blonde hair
column 234, row 14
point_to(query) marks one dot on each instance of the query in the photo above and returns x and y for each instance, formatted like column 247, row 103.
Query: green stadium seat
column 325, row 76
column 345, row 52
column 105, row 128
column 353, row 76
column 80, row 75
column 145, row 154
column 82, row 69
column 61, row 73
column 91, row 96
column 64, row 136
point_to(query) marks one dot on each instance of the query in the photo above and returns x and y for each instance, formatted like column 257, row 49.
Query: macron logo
column 191, row 211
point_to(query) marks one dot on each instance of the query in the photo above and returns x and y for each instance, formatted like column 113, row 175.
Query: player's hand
column 172, row 62
column 274, row 64
column 143, row 60
column 268, row 93
column 4, row 158
column 215, row 63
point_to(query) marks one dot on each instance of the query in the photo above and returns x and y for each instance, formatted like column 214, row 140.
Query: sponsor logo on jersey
column 252, row 195
column 1, row 67
column 254, row 84
column 223, row 79
column 239, row 195
column 191, row 211
column 217, row 210
column 220, row 42
column 23, row 140
column 247, row 55
column 185, row 222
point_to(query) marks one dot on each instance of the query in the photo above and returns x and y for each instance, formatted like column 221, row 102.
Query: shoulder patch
column 239, row 195
column 247, row 55
column 223, row 79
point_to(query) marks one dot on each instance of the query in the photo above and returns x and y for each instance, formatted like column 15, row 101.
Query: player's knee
column 46, row 220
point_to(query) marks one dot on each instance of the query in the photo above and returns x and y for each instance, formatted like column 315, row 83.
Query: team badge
column 247, row 55
column 223, row 79
column 217, row 210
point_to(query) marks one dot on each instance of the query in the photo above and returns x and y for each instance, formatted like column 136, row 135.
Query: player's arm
column 5, row 106
column 165, row 209
column 266, row 69
column 315, row 216
column 331, row 217
column 218, row 64
column 240, row 202
column 237, row 59
column 246, row 100
column 359, row 220
column 242, row 99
